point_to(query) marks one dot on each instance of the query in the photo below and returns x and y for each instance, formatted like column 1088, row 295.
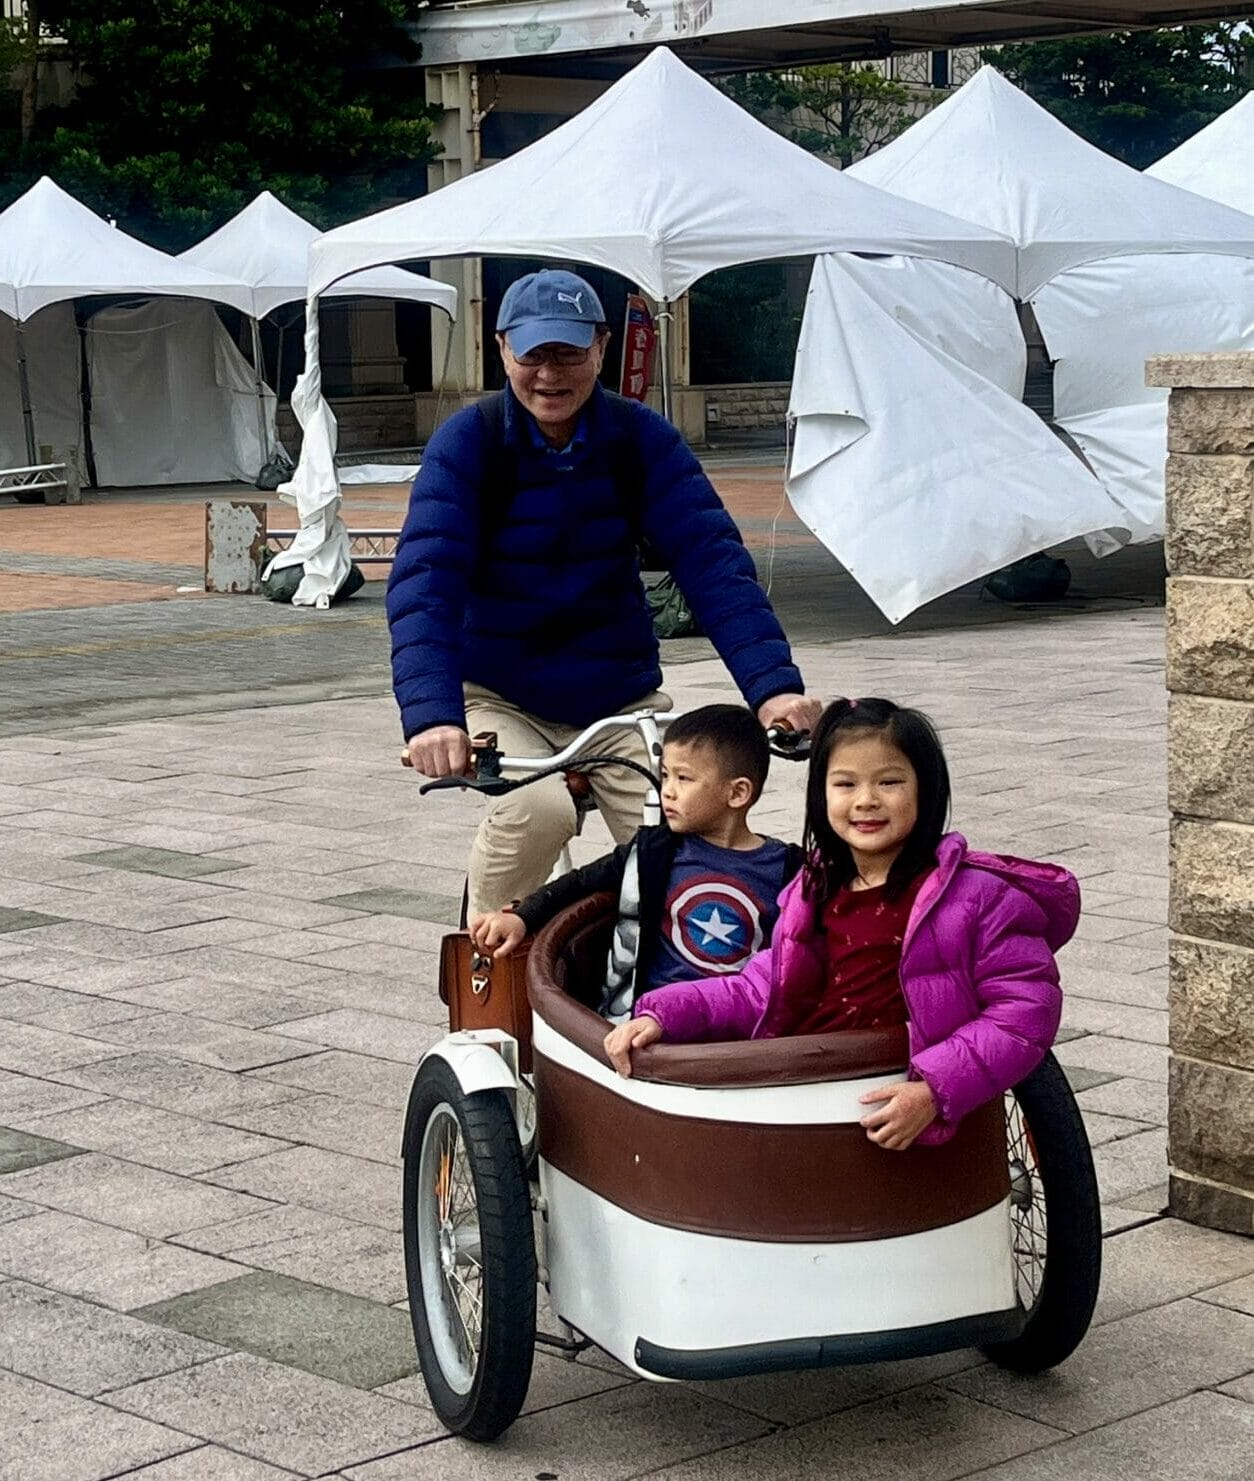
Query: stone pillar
column 455, row 89
column 1210, row 675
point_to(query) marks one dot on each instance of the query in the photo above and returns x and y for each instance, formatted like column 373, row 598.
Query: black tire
column 27, row 496
column 1057, row 1221
column 470, row 1214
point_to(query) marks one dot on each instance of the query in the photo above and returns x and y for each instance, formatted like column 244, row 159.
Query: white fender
column 482, row 1059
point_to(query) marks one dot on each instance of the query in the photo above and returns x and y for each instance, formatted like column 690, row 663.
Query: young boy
column 697, row 894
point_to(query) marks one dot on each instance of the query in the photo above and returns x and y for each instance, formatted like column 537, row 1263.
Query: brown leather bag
column 482, row 993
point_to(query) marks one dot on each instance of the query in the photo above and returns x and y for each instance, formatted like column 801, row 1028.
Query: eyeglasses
column 553, row 355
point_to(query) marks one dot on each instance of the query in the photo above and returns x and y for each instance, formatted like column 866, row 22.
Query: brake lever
column 490, row 786
column 789, row 744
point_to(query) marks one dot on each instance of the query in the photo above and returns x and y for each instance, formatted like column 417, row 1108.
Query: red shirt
column 862, row 986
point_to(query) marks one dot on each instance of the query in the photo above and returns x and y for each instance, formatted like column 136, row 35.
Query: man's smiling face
column 553, row 393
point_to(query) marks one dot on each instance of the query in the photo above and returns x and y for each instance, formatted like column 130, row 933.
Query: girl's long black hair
column 829, row 863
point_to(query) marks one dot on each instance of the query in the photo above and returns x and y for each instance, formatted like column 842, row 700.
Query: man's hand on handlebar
column 499, row 931
column 797, row 711
column 442, row 751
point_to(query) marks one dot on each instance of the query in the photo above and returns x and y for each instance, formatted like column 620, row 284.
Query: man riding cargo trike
column 851, row 1146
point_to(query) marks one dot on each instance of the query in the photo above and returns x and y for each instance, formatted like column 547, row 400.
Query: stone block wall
column 760, row 404
column 1210, row 675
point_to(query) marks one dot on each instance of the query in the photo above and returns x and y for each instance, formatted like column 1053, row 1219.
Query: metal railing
column 41, row 483
column 367, row 547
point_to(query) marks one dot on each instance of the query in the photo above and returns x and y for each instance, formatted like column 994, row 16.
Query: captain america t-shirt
column 721, row 905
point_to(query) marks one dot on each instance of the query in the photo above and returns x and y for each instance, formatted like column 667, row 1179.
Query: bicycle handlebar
column 788, row 744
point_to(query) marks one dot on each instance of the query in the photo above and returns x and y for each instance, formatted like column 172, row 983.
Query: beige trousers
column 522, row 836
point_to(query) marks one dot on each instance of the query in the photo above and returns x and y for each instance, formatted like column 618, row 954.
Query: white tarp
column 662, row 179
column 52, row 249
column 990, row 154
column 52, row 368
column 1218, row 161
column 173, row 400
column 266, row 246
column 1102, row 322
column 956, row 311
column 917, row 472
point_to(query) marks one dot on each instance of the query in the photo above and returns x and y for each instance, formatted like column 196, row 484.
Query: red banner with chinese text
column 639, row 338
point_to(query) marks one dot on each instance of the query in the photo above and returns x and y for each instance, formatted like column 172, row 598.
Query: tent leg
column 263, row 436
column 23, row 382
column 664, row 356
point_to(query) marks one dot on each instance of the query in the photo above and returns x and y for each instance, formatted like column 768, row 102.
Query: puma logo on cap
column 575, row 298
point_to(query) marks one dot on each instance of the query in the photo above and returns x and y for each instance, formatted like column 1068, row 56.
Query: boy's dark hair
column 732, row 732
column 829, row 863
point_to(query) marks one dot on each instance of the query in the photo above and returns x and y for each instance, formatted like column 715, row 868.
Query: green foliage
column 842, row 110
column 1137, row 94
column 186, row 108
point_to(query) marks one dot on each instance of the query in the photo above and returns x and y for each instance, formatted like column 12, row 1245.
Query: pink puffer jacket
column 977, row 972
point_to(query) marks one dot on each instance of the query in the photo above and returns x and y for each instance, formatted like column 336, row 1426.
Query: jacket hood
column 1054, row 889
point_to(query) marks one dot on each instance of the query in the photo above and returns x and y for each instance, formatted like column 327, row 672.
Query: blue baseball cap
column 549, row 307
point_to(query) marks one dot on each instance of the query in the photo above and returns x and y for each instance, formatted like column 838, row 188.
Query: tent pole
column 259, row 378
column 664, row 355
column 448, row 355
column 23, row 382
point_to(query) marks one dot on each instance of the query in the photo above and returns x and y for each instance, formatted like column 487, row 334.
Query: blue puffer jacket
column 548, row 610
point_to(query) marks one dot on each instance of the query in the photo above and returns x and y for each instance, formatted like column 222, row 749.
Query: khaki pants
column 522, row 836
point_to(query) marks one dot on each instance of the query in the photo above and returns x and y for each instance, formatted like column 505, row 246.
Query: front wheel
column 1056, row 1221
column 470, row 1260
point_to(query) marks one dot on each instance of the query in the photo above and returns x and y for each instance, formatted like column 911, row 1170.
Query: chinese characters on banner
column 639, row 338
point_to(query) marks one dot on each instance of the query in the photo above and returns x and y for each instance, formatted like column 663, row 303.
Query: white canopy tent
column 266, row 246
column 1218, row 161
column 662, row 179
column 992, row 155
column 54, row 250
column 1115, row 265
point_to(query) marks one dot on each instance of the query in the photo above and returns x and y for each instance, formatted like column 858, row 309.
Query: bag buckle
column 479, row 969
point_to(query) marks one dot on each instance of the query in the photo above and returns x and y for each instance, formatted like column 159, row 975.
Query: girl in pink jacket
column 892, row 921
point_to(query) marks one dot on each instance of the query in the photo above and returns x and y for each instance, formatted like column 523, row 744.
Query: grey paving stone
column 115, row 1267
column 50, row 1435
column 176, row 1085
column 242, row 1237
column 268, row 910
column 278, row 1414
column 1242, row 1389
column 1204, row 1437
column 348, row 1186
column 153, row 1137
column 67, row 1012
column 136, row 1198
column 1140, row 1100
column 796, row 1398
column 220, row 1046
column 331, row 1122
column 1239, row 1294
column 85, row 974
column 1119, row 1020
column 413, row 904
column 32, row 1050
column 375, row 1034
column 1081, row 1079
column 23, row 1096
column 14, row 1208
column 222, row 1002
column 1160, row 1262
column 650, row 1428
column 311, row 1327
column 1128, row 1167
column 1125, row 1366
column 1116, row 1057
column 357, row 1258
column 554, row 1381
column 85, row 1348
column 210, row 1463
column 24, row 920
column 19, row 1149
column 374, row 956
column 253, row 968
column 1102, row 1129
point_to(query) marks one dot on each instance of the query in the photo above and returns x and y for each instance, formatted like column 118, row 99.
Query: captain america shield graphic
column 714, row 924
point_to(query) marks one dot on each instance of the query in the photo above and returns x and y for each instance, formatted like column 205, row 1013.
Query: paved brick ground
column 217, row 951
